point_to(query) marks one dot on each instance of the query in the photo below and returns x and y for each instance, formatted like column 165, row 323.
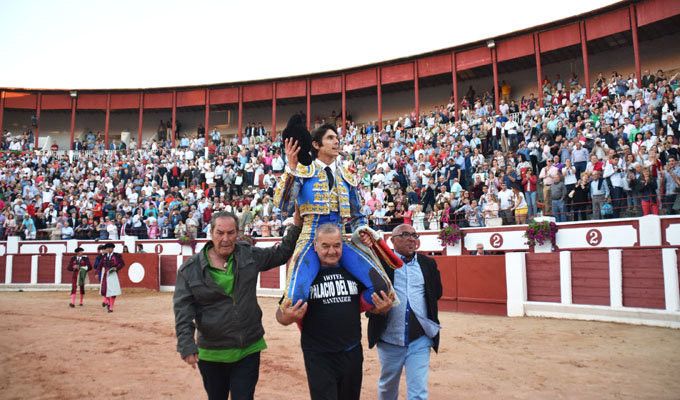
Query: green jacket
column 223, row 321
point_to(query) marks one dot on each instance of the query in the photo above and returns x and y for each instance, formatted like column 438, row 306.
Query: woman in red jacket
column 529, row 186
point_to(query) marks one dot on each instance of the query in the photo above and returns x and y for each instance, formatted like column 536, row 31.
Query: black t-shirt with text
column 333, row 320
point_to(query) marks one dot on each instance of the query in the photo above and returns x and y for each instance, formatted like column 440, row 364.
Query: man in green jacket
column 215, row 294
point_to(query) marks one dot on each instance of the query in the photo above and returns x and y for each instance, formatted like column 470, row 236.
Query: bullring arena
column 548, row 148
column 52, row 352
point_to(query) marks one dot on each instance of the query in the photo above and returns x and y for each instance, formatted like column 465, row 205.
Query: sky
column 98, row 44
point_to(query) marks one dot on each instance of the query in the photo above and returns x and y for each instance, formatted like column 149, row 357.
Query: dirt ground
column 49, row 351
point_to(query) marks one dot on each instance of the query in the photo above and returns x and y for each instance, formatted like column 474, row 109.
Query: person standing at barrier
column 331, row 322
column 110, row 265
column 558, row 194
column 599, row 193
column 614, row 173
column 405, row 335
column 672, row 186
column 215, row 295
column 79, row 265
column 547, row 176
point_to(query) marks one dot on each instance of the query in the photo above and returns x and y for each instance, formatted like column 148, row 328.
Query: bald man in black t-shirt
column 331, row 324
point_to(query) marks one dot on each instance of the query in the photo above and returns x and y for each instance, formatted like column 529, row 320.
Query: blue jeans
column 530, row 197
column 558, row 210
column 415, row 358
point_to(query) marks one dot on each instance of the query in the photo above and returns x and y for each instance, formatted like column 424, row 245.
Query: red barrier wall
column 46, row 264
column 543, row 277
column 168, row 270
column 270, row 279
column 21, row 268
column 643, row 279
column 590, row 277
column 150, row 264
column 3, row 264
column 473, row 284
column 448, row 271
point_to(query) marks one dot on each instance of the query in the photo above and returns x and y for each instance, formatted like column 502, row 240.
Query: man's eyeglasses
column 407, row 235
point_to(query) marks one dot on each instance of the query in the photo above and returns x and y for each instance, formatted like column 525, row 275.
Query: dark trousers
column 618, row 200
column 580, row 167
column 579, row 212
column 508, row 218
column 236, row 380
column 334, row 376
column 668, row 201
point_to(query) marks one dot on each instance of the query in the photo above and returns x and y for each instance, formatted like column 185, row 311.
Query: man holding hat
column 79, row 265
column 110, row 264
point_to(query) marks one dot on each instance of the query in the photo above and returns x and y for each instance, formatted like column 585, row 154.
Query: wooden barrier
column 543, row 277
column 473, row 284
column 590, row 277
column 643, row 284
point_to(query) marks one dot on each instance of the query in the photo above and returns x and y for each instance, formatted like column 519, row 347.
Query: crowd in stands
column 608, row 155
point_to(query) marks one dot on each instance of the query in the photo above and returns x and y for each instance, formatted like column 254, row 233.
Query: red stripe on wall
column 607, row 24
column 655, row 10
column 543, row 277
column 21, row 100
column 21, row 268
column 91, row 101
column 473, row 284
column 590, row 277
column 473, row 58
column 124, row 101
column 168, row 270
column 224, row 96
column 3, row 264
column 434, row 65
column 189, row 98
column 516, row 47
column 559, row 37
column 397, row 73
column 288, row 89
column 257, row 92
column 46, row 268
column 157, row 100
column 55, row 102
column 449, row 275
column 643, row 284
column 331, row 84
column 361, row 79
column 270, row 279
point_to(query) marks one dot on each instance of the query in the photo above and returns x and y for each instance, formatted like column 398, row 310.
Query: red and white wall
column 623, row 270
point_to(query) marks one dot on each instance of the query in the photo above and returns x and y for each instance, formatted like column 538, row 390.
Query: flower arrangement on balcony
column 187, row 241
column 538, row 233
column 450, row 235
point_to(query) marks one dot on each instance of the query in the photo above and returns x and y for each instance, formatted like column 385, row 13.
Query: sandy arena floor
column 49, row 351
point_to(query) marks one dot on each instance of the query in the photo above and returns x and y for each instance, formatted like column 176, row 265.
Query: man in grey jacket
column 215, row 294
column 558, row 193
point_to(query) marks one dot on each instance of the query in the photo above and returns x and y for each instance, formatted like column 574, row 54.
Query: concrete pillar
column 565, row 277
column 516, row 282
column 9, row 260
column 34, row 269
column 615, row 278
column 670, row 279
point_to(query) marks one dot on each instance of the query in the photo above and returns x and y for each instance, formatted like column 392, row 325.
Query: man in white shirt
column 277, row 163
column 614, row 173
column 510, row 128
column 505, row 197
